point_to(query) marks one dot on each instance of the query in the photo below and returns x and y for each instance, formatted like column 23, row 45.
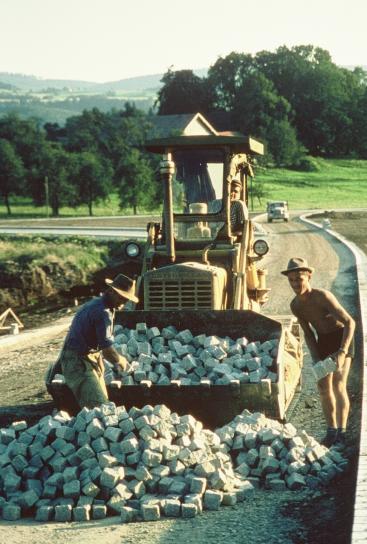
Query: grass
column 86, row 254
column 338, row 183
column 22, row 208
column 352, row 225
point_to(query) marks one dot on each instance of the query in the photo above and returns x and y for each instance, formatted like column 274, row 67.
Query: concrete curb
column 359, row 529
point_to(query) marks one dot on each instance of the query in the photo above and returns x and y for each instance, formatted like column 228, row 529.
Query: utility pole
column 252, row 196
column 46, row 196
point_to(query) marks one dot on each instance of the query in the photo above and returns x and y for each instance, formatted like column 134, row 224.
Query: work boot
column 341, row 440
column 330, row 437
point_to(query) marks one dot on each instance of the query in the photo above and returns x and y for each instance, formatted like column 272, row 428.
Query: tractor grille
column 179, row 295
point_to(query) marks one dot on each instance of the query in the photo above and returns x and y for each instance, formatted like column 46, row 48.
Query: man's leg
column 92, row 390
column 327, row 397
column 87, row 385
column 342, row 403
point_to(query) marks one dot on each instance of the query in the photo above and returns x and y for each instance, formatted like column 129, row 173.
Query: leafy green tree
column 183, row 92
column 58, row 167
column 92, row 178
column 11, row 172
column 26, row 135
column 226, row 77
column 137, row 183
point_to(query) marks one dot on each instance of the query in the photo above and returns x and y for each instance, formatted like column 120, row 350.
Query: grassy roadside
column 337, row 183
column 352, row 225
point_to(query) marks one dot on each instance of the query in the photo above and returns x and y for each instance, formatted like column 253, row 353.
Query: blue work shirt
column 91, row 328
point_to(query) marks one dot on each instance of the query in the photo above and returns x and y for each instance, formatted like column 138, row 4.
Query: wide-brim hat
column 124, row 286
column 236, row 182
column 297, row 264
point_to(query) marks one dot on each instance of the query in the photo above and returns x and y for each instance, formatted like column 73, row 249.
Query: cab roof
column 236, row 143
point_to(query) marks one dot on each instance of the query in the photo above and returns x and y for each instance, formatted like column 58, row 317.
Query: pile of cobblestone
column 150, row 462
column 170, row 356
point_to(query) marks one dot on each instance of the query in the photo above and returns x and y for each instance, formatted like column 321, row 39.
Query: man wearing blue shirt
column 90, row 339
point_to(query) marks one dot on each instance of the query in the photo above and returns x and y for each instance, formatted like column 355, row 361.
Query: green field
column 338, row 183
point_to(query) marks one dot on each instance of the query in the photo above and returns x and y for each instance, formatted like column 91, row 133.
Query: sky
column 109, row 40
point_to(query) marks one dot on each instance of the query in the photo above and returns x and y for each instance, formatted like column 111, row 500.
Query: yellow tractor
column 199, row 270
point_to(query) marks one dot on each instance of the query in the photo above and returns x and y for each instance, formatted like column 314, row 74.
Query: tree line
column 297, row 101
column 93, row 155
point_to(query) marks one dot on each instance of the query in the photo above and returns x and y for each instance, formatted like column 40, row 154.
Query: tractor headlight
column 261, row 247
column 132, row 250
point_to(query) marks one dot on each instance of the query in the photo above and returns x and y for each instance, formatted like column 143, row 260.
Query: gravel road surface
column 311, row 517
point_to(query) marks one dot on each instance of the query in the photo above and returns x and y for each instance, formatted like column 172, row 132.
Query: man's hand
column 122, row 365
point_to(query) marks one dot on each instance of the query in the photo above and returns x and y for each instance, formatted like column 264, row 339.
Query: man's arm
column 336, row 310
column 309, row 335
column 119, row 361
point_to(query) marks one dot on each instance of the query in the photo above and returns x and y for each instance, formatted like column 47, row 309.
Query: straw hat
column 124, row 286
column 297, row 264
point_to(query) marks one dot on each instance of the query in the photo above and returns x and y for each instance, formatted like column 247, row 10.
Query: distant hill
column 32, row 83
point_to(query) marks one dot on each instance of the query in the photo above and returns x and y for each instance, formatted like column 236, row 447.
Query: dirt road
column 271, row 517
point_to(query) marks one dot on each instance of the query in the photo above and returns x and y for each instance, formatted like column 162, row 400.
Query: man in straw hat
column 328, row 330
column 90, row 339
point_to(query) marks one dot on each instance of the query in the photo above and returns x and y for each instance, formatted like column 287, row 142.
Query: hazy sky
column 108, row 40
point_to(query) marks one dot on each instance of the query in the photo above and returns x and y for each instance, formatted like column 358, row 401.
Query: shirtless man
column 328, row 330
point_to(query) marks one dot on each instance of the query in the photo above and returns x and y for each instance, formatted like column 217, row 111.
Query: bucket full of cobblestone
column 182, row 368
column 146, row 463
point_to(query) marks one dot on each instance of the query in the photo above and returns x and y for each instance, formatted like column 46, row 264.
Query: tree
column 137, row 184
column 59, row 167
column 92, row 178
column 11, row 172
column 183, row 92
column 227, row 76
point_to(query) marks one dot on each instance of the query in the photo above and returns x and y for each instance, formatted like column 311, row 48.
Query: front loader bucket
column 214, row 405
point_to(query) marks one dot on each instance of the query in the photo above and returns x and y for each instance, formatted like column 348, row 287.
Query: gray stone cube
column 212, row 500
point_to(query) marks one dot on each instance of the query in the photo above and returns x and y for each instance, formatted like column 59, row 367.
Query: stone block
column 90, row 489
column 46, row 453
column 133, row 458
column 67, row 433
column 277, row 484
column 151, row 458
column 99, row 511
column 137, row 488
column 150, row 512
column 178, row 487
column 11, row 483
column 99, row 445
column 85, row 452
column 270, row 465
column 142, row 473
column 82, row 513
column 106, row 460
column 128, row 514
column 130, row 445
column 171, row 508
column 71, row 489
column 189, row 510
column 110, row 476
column 29, row 498
column 63, row 512
column 127, row 425
column 44, row 513
column 30, row 472
column 212, row 500
column 19, row 463
column 229, row 498
column 295, row 481
column 11, row 512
